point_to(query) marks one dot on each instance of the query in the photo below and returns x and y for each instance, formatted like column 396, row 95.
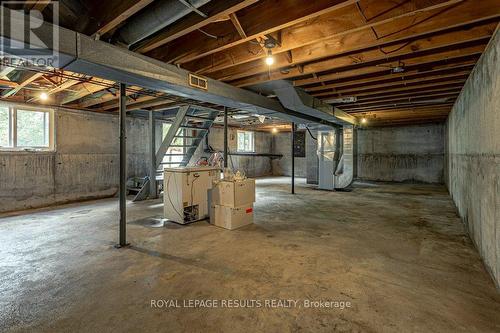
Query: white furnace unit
column 336, row 158
column 185, row 194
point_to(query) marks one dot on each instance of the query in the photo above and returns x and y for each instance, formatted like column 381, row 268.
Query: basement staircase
column 187, row 131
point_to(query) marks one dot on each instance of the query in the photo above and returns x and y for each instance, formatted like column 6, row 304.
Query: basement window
column 23, row 128
column 176, row 158
column 246, row 142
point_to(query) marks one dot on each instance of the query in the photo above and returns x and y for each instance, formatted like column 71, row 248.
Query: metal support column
column 225, row 138
column 293, row 158
column 152, row 157
column 123, row 166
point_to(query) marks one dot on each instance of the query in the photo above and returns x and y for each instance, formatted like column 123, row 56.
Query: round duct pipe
column 153, row 18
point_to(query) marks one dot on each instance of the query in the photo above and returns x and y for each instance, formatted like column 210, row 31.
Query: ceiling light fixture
column 363, row 120
column 44, row 96
column 269, row 58
column 274, row 130
column 398, row 69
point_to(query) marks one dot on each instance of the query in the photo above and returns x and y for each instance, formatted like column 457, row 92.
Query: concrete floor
column 398, row 253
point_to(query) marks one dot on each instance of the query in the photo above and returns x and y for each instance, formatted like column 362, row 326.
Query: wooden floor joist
column 403, row 60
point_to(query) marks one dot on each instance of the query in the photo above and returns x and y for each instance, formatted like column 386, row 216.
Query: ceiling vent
column 198, row 82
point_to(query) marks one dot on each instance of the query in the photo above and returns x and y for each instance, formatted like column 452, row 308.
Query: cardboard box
column 232, row 217
column 234, row 193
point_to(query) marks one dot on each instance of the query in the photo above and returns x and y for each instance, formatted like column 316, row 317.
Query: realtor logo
column 29, row 33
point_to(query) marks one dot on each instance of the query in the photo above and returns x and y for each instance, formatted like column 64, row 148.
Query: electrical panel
column 299, row 144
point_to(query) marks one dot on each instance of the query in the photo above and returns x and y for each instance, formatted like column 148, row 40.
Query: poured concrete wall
column 406, row 153
column 85, row 163
column 473, row 160
column 253, row 166
column 304, row 166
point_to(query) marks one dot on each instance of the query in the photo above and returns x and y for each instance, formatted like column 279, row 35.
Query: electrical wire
column 395, row 50
column 208, row 34
column 312, row 136
column 168, row 195
column 191, row 214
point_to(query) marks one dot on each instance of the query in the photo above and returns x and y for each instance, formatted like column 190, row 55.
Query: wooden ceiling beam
column 396, row 83
column 37, row 5
column 436, row 84
column 237, row 25
column 141, row 102
column 215, row 10
column 431, row 107
column 264, row 17
column 84, row 89
column 374, row 71
column 403, row 50
column 106, row 97
column 7, row 83
column 393, row 111
column 32, row 78
column 371, row 62
column 404, row 114
column 64, row 85
column 409, row 121
column 447, row 102
column 383, row 77
column 405, row 118
column 428, row 92
column 116, row 12
column 111, row 105
column 409, row 92
column 388, row 100
column 358, row 75
column 68, row 83
column 343, row 31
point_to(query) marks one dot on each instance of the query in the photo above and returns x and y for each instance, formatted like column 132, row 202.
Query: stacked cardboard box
column 232, row 203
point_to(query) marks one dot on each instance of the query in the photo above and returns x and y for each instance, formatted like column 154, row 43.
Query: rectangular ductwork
column 298, row 100
column 82, row 54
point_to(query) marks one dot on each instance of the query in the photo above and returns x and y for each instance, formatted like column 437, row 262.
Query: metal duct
column 335, row 158
column 82, row 54
column 345, row 169
column 300, row 101
column 155, row 17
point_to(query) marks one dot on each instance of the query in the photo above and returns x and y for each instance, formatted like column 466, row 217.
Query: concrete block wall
column 472, row 156
column 84, row 165
column 404, row 153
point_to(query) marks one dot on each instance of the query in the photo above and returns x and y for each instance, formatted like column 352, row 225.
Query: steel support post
column 123, row 166
column 152, row 156
column 225, row 138
column 293, row 158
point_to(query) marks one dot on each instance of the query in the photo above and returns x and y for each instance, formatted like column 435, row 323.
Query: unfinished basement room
column 250, row 166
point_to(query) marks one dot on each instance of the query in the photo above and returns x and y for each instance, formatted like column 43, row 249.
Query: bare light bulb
column 274, row 130
column 363, row 120
column 269, row 58
column 44, row 96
